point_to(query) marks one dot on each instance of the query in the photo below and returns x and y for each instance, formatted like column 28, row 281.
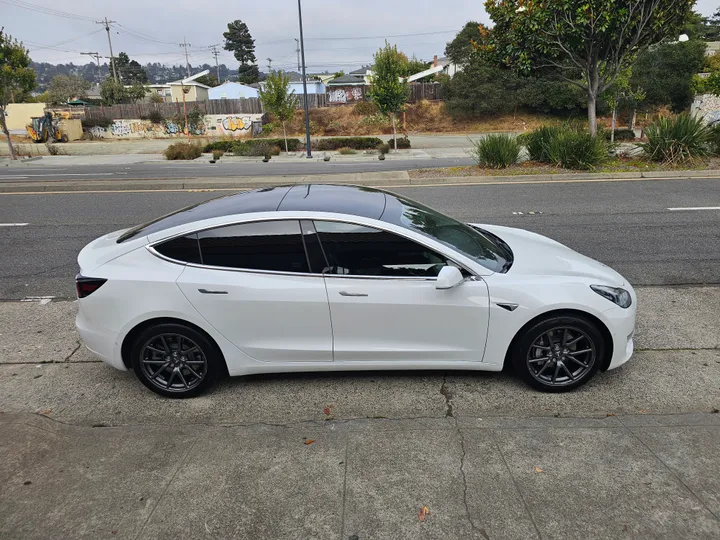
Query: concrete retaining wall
column 233, row 125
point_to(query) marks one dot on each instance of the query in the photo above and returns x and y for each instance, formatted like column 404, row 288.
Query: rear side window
column 183, row 248
column 364, row 251
column 268, row 245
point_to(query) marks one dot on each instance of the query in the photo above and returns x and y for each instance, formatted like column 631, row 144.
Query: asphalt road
column 626, row 225
column 164, row 169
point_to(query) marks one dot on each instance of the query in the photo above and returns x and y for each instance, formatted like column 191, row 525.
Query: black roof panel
column 353, row 200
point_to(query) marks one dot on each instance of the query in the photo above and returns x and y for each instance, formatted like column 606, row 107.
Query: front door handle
column 355, row 294
column 205, row 291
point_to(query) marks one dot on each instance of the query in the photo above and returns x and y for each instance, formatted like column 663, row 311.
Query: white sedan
column 323, row 277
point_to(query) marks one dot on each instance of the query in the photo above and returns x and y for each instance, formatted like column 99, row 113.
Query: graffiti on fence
column 98, row 132
column 144, row 129
column 357, row 94
column 337, row 96
column 171, row 128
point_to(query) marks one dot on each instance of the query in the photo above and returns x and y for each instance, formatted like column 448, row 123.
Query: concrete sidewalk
column 88, row 452
column 653, row 477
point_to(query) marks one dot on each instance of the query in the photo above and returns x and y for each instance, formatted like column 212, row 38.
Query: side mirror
column 448, row 278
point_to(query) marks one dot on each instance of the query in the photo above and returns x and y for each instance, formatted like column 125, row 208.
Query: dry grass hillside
column 420, row 117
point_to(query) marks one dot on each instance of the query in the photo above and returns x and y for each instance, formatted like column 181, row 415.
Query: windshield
column 476, row 244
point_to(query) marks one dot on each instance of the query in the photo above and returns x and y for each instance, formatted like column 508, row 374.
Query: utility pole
column 96, row 57
column 216, row 53
column 304, row 79
column 187, row 58
column 297, row 41
column 107, row 24
column 269, row 65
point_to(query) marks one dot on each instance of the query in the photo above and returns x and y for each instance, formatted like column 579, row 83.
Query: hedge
column 248, row 147
column 356, row 143
column 403, row 143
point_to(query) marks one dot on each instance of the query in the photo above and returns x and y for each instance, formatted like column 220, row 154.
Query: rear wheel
column 174, row 360
column 559, row 353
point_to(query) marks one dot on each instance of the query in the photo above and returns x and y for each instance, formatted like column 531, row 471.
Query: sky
column 338, row 35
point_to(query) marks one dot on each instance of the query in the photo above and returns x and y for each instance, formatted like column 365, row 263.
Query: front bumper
column 621, row 323
column 101, row 342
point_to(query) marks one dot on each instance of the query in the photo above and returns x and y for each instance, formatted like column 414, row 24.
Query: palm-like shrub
column 677, row 140
column 497, row 151
column 572, row 149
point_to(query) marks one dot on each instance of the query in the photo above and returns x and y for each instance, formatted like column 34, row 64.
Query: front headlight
column 616, row 295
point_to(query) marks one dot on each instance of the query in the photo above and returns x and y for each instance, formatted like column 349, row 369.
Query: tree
column 621, row 91
column 461, row 49
column 112, row 92
column 16, row 77
column 130, row 71
column 711, row 27
column 240, row 42
column 588, row 41
column 387, row 89
column 208, row 80
column 64, row 88
column 665, row 73
column 277, row 98
column 414, row 66
column 481, row 89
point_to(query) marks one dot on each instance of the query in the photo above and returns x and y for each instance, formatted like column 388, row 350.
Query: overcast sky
column 151, row 31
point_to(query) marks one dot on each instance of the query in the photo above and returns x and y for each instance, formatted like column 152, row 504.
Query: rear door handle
column 345, row 293
column 205, row 291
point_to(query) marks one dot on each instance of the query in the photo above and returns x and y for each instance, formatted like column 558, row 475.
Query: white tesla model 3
column 323, row 277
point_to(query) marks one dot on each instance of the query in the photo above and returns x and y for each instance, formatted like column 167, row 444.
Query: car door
column 253, row 285
column 383, row 301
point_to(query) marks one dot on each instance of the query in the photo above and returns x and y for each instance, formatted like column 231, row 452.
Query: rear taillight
column 86, row 285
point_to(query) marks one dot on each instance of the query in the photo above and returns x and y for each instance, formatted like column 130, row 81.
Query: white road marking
column 694, row 208
column 13, row 224
column 42, row 300
column 61, row 174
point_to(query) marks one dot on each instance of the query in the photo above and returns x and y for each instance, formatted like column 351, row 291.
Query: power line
column 47, row 10
column 106, row 24
column 38, row 46
column 187, row 58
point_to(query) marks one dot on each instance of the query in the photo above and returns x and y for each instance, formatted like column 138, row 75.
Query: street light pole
column 305, row 94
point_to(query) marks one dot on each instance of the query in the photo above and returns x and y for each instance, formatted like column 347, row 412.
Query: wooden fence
column 431, row 91
column 213, row 106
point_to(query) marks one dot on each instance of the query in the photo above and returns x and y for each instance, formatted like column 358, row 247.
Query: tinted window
column 457, row 235
column 183, row 248
column 363, row 251
column 266, row 245
column 260, row 200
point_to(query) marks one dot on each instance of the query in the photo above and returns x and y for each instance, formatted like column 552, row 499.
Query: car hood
column 539, row 255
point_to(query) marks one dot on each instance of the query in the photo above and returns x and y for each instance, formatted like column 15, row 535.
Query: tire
column 547, row 357
column 175, row 360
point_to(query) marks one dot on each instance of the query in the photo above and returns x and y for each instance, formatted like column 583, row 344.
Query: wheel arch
column 601, row 326
column 129, row 338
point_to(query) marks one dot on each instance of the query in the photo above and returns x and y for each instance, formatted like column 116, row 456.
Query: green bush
column 384, row 148
column 347, row 151
column 537, row 142
column 356, row 143
column 403, row 143
column 497, row 151
column 102, row 122
column 183, row 151
column 217, row 154
column 365, row 108
column 155, row 117
column 225, row 146
column 257, row 147
column 571, row 149
column 248, row 147
column 715, row 139
column 677, row 140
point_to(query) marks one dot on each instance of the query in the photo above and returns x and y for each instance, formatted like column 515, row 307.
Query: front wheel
column 175, row 361
column 559, row 354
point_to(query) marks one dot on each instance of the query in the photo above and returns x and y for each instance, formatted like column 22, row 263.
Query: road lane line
column 381, row 186
column 13, row 224
column 61, row 174
column 694, row 208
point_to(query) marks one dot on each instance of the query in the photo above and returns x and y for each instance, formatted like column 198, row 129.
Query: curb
column 376, row 179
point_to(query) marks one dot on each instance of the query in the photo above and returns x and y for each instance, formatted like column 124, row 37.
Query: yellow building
column 18, row 115
column 194, row 91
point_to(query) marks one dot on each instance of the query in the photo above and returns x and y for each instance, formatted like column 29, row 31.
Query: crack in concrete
column 449, row 408
column 474, row 527
column 76, row 349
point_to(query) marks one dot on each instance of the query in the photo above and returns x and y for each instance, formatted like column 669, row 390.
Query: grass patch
column 496, row 151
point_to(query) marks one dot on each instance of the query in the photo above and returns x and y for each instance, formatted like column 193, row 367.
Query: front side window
column 267, row 245
column 363, row 251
